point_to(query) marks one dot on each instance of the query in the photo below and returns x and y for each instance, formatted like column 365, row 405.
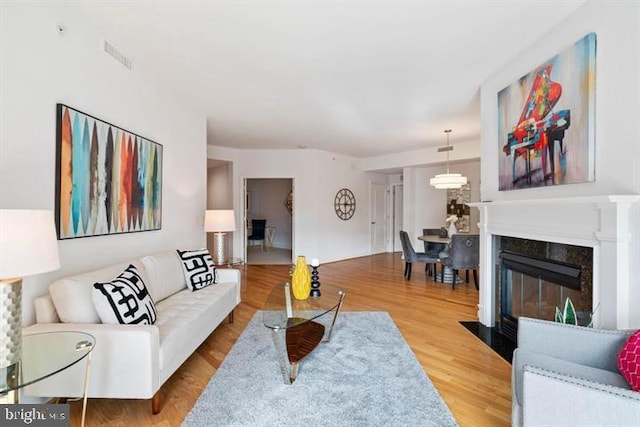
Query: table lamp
column 219, row 222
column 28, row 246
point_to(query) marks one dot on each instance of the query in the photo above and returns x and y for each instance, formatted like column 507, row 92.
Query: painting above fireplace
column 546, row 122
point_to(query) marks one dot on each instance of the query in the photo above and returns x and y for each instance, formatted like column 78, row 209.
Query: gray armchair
column 463, row 254
column 565, row 375
column 411, row 256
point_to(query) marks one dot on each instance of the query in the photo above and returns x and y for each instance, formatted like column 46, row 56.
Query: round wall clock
column 345, row 204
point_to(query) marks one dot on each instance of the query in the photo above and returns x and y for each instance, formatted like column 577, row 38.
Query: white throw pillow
column 198, row 268
column 124, row 300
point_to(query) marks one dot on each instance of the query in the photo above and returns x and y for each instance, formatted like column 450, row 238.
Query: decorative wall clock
column 345, row 204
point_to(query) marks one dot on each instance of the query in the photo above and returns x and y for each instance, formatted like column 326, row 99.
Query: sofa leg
column 156, row 403
column 231, row 317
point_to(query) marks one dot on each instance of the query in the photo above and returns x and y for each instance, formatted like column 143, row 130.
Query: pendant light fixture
column 447, row 180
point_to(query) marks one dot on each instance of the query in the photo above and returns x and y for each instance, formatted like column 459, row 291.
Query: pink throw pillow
column 629, row 361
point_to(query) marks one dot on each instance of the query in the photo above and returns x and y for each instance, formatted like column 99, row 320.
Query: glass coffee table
column 43, row 355
column 295, row 320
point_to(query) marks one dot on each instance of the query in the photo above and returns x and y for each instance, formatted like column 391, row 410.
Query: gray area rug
column 365, row 376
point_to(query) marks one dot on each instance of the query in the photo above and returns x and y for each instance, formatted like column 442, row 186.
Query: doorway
column 269, row 200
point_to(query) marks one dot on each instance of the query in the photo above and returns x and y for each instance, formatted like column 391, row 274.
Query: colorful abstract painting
column 108, row 180
column 546, row 122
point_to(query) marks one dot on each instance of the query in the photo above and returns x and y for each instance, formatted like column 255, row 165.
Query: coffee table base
column 300, row 340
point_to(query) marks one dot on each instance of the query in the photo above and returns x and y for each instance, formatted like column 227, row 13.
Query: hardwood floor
column 472, row 379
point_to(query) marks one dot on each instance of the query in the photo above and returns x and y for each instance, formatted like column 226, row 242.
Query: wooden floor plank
column 472, row 379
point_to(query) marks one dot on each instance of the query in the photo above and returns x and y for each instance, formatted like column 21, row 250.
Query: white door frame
column 377, row 219
column 397, row 192
column 245, row 223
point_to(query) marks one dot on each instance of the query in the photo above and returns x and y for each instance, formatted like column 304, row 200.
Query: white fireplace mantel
column 600, row 222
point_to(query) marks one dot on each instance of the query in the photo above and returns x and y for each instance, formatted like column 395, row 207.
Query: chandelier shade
column 447, row 180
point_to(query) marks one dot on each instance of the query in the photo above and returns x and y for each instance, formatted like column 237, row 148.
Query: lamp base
column 220, row 248
column 10, row 321
column 10, row 336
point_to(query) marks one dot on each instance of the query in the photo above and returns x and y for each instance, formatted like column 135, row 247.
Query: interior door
column 397, row 217
column 378, row 218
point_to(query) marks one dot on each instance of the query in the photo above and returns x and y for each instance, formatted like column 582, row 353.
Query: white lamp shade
column 28, row 243
column 448, row 180
column 219, row 220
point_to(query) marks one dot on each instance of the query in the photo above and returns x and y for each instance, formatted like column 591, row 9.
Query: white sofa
column 133, row 361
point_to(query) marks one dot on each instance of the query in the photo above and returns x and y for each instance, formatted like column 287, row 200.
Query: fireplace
column 606, row 225
column 536, row 277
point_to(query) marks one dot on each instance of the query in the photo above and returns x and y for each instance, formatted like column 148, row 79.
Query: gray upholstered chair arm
column 554, row 399
column 586, row 346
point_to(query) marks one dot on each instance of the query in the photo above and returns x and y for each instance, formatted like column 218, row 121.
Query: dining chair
column 432, row 248
column 463, row 254
column 411, row 256
column 257, row 231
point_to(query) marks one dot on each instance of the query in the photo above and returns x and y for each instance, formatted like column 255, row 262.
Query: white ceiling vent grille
column 116, row 54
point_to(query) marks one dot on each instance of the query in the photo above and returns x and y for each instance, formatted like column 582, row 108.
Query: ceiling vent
column 116, row 54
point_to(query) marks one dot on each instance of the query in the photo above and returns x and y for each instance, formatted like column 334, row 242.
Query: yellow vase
column 301, row 279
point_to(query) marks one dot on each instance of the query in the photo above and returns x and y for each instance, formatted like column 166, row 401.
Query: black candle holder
column 315, row 283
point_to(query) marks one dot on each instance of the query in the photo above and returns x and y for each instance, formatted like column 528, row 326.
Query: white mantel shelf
column 602, row 222
column 613, row 198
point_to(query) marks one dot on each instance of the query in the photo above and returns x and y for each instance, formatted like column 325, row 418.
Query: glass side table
column 295, row 318
column 46, row 354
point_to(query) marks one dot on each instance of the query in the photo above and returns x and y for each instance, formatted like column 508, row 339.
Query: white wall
column 317, row 177
column 617, row 25
column 41, row 68
column 219, row 195
column 425, row 206
column 617, row 136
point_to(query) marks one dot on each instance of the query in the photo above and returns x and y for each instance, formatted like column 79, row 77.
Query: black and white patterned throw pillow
column 198, row 268
column 124, row 300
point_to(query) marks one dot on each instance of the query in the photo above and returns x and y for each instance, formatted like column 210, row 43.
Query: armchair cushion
column 522, row 359
column 124, row 300
column 629, row 361
column 553, row 399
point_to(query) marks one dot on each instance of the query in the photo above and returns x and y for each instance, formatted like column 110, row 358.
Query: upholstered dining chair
column 257, row 231
column 411, row 256
column 463, row 254
column 432, row 248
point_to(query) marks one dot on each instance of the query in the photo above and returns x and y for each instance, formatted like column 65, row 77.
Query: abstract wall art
column 108, row 180
column 546, row 122
column 457, row 204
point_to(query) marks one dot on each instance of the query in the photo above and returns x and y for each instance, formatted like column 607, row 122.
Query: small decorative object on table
column 572, row 317
column 301, row 279
column 451, row 220
column 315, row 283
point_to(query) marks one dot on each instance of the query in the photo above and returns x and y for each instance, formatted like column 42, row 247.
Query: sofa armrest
column 597, row 348
column 230, row 275
column 125, row 362
column 552, row 399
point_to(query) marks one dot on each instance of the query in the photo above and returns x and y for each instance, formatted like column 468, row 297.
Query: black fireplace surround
column 536, row 277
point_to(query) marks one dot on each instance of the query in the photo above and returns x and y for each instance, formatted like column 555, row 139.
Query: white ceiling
column 362, row 78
